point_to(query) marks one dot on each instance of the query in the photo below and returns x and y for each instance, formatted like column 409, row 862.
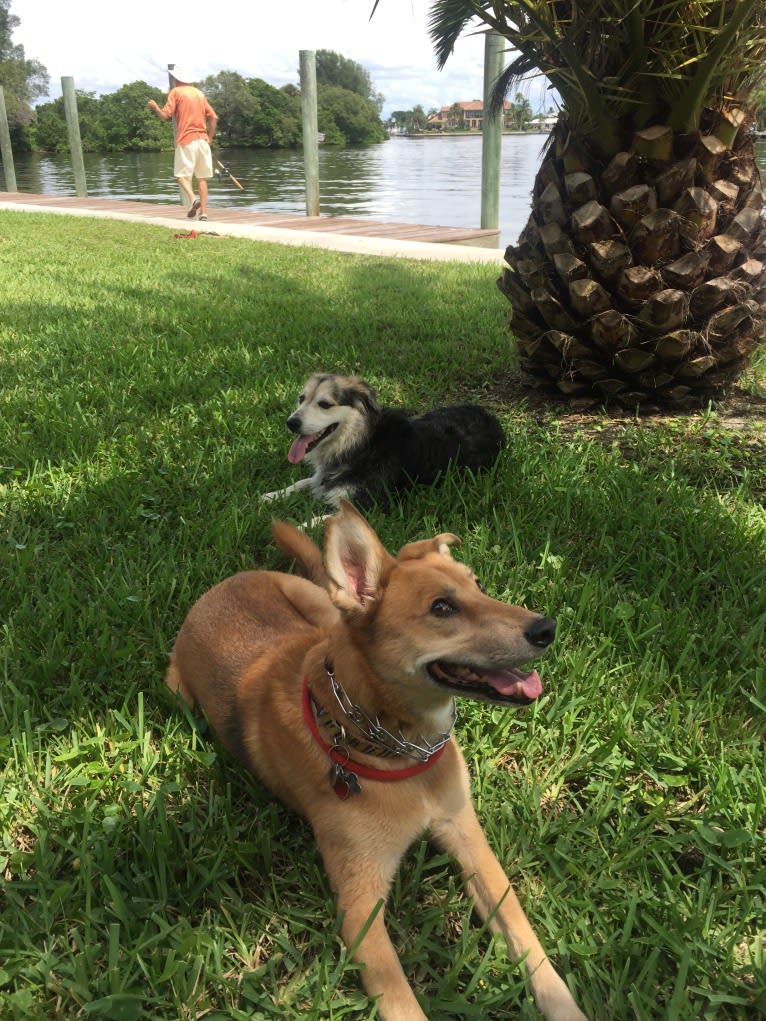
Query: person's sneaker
column 203, row 217
column 192, row 211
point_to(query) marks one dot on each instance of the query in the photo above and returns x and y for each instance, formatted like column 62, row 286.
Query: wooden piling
column 9, row 171
column 492, row 127
column 73, row 133
column 308, row 78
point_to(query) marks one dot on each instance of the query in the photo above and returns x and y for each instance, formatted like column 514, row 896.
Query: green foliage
column 251, row 113
column 126, row 123
column 234, row 103
column 346, row 114
column 334, row 69
column 276, row 119
column 23, row 80
column 50, row 131
column 145, row 387
column 520, row 113
column 410, row 120
column 115, row 122
column 759, row 103
column 456, row 115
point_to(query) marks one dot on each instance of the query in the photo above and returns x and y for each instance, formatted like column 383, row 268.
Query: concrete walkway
column 226, row 224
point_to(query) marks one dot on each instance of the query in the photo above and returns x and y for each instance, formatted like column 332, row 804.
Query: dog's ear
column 439, row 544
column 363, row 396
column 296, row 544
column 355, row 560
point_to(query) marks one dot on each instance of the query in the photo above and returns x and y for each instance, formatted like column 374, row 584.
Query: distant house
column 544, row 122
column 470, row 116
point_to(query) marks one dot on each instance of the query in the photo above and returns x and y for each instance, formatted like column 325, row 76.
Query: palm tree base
column 642, row 281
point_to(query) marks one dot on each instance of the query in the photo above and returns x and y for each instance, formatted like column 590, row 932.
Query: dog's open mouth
column 501, row 686
column 303, row 445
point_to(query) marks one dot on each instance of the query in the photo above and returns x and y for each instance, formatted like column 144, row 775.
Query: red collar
column 344, row 771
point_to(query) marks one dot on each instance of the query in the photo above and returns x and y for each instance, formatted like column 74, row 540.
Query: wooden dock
column 338, row 225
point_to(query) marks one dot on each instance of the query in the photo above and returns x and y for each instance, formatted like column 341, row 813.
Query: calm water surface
column 406, row 180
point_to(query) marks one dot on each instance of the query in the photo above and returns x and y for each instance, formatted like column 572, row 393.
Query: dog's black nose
column 541, row 632
column 294, row 423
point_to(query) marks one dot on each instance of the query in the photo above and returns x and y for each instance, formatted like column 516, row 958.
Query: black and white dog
column 359, row 451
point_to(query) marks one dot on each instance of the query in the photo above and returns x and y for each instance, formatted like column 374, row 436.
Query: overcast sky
column 104, row 45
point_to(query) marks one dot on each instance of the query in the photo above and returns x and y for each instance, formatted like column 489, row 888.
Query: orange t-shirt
column 191, row 110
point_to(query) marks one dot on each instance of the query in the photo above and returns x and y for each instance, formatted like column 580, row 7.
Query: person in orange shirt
column 196, row 122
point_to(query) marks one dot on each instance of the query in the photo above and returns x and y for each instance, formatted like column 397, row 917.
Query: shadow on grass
column 142, row 429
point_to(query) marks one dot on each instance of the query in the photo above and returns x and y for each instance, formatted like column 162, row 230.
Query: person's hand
column 152, row 104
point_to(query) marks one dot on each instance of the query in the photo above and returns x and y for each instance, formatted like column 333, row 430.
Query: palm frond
column 617, row 69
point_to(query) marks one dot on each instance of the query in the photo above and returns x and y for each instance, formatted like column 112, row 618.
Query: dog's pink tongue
column 516, row 682
column 297, row 449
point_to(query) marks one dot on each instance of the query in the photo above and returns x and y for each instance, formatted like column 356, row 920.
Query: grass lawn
column 144, row 387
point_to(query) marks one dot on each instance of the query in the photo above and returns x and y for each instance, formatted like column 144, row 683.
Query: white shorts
column 194, row 159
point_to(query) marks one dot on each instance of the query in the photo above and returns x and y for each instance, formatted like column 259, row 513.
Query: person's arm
column 212, row 123
column 160, row 111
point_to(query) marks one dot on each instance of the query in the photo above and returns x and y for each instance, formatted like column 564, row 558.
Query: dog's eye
column 302, row 398
column 479, row 586
column 324, row 405
column 443, row 608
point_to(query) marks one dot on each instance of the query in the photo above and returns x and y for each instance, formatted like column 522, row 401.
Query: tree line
column 251, row 113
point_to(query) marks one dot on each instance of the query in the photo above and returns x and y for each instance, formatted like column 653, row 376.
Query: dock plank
column 353, row 226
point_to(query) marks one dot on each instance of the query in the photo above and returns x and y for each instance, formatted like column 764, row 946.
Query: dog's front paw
column 268, row 497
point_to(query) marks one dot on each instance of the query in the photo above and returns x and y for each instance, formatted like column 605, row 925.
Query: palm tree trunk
column 642, row 281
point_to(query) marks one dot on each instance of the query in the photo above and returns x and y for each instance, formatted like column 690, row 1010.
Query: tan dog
column 338, row 693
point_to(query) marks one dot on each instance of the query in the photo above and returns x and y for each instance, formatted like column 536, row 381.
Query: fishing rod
column 225, row 170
